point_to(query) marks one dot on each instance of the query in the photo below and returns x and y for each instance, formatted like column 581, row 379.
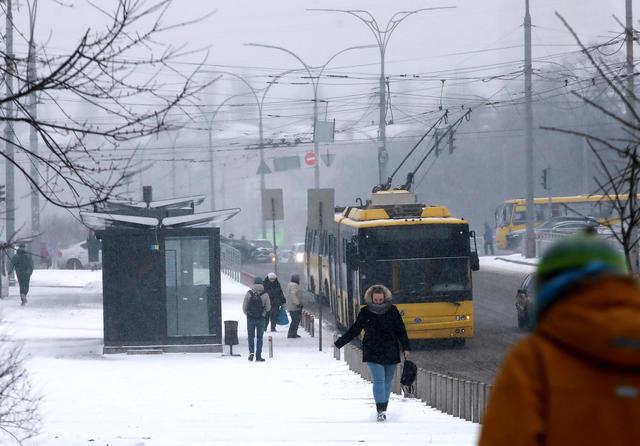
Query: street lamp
column 259, row 103
column 315, row 81
column 382, row 38
column 211, row 161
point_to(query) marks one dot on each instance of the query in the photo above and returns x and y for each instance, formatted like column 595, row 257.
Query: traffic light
column 545, row 182
column 452, row 140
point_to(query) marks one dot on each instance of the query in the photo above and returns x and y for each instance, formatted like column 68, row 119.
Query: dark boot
column 384, row 406
column 380, row 407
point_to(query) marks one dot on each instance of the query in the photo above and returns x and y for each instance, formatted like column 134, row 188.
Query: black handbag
column 408, row 378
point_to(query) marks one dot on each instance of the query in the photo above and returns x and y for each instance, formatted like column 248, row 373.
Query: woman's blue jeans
column 382, row 376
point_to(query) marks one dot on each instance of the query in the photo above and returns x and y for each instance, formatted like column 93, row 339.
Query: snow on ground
column 300, row 396
column 510, row 263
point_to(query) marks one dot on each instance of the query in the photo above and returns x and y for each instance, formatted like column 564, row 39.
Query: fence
column 457, row 397
column 230, row 261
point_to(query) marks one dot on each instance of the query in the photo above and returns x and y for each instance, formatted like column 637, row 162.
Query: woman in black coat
column 384, row 333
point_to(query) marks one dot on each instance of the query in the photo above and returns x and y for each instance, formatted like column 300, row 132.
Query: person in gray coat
column 293, row 296
column 256, row 305
column 22, row 263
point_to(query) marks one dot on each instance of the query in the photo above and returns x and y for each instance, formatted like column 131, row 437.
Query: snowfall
column 300, row 396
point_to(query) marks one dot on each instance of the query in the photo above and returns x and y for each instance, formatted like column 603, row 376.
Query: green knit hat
column 577, row 252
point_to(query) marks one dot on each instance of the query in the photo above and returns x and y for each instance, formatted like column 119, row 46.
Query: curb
column 519, row 262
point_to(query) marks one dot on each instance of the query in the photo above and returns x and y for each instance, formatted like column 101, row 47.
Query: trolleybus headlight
column 463, row 317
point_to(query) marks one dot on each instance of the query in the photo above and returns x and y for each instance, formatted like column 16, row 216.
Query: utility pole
column 9, row 62
column 631, row 98
column 530, row 247
column 33, row 134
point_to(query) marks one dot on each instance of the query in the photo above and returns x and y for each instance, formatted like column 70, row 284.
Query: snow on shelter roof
column 103, row 220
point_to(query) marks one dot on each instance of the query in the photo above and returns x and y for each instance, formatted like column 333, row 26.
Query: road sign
column 272, row 205
column 328, row 159
column 310, row 158
column 320, row 208
column 263, row 168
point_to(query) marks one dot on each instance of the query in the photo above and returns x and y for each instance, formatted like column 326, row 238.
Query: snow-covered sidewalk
column 300, row 396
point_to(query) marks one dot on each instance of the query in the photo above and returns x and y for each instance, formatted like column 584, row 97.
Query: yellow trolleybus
column 512, row 214
column 421, row 253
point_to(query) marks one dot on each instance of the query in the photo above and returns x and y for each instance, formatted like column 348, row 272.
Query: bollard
column 449, row 396
column 455, row 410
column 467, row 401
column 475, row 391
column 432, row 390
column 440, row 392
column 312, row 325
column 482, row 389
column 270, row 341
column 336, row 351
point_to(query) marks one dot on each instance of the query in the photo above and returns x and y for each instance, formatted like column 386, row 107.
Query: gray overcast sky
column 417, row 46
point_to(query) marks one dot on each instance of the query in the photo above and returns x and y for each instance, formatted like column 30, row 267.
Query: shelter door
column 187, row 286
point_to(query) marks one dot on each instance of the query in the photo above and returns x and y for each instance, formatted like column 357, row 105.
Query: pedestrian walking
column 293, row 296
column 488, row 239
column 576, row 378
column 22, row 264
column 256, row 305
column 274, row 290
column 384, row 333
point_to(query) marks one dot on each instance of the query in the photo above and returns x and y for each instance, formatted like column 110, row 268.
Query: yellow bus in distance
column 512, row 214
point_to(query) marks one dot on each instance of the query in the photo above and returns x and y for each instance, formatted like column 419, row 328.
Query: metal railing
column 454, row 396
column 230, row 261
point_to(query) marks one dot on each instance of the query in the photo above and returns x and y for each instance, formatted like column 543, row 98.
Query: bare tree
column 19, row 417
column 617, row 157
column 120, row 70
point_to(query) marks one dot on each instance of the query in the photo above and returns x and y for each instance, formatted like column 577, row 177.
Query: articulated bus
column 512, row 214
column 421, row 253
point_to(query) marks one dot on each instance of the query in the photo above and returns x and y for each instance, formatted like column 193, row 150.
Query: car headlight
column 299, row 257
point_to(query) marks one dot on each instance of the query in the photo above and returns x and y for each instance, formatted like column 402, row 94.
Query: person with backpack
column 575, row 380
column 276, row 296
column 384, row 333
column 256, row 305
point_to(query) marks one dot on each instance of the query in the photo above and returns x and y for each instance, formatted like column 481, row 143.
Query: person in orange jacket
column 575, row 380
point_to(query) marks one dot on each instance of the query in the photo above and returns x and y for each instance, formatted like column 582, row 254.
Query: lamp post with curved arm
column 211, row 160
column 259, row 102
column 382, row 37
column 315, row 81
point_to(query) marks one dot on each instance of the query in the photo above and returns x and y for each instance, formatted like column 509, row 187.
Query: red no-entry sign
column 310, row 158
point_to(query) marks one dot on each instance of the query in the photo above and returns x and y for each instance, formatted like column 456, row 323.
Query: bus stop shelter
column 160, row 275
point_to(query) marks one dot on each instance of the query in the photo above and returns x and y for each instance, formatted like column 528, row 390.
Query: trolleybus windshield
column 418, row 263
column 422, row 279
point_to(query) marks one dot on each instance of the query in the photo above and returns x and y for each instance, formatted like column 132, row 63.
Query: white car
column 77, row 257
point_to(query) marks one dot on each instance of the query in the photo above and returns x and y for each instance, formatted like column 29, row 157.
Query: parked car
column 564, row 224
column 263, row 250
column 297, row 253
column 77, row 257
column 524, row 301
column 244, row 246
